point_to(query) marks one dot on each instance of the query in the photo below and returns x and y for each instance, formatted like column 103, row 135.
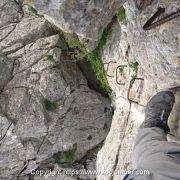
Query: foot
column 158, row 110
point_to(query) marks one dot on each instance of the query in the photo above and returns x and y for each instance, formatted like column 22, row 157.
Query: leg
column 152, row 151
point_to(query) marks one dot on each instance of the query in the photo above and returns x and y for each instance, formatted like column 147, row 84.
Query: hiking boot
column 158, row 110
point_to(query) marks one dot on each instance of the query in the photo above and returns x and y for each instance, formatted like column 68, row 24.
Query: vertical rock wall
column 47, row 111
column 49, row 117
column 157, row 53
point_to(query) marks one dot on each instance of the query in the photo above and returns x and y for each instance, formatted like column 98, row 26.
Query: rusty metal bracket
column 129, row 90
column 108, row 63
column 121, row 66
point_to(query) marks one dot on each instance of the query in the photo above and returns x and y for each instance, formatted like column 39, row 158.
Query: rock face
column 46, row 106
column 115, row 155
column 6, row 67
column 50, row 119
column 85, row 18
column 156, row 51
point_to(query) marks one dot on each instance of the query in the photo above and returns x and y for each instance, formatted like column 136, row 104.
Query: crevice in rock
column 6, row 132
column 93, row 82
column 8, row 33
column 119, row 148
column 91, row 78
column 86, row 66
column 85, row 157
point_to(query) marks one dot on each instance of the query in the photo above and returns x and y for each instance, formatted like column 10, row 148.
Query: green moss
column 56, row 67
column 75, row 43
column 66, row 157
column 50, row 105
column 50, row 58
column 121, row 70
column 134, row 69
column 98, row 67
column 94, row 57
column 103, row 40
column 121, row 14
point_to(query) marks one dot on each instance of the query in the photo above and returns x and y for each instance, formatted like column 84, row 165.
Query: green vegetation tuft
column 66, row 157
column 94, row 57
column 134, row 68
column 74, row 43
column 103, row 40
column 122, row 15
column 96, row 62
column 121, row 70
column 56, row 66
column 50, row 105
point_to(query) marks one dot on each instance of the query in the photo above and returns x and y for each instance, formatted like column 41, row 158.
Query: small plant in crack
column 66, row 157
column 134, row 69
column 121, row 70
column 121, row 15
column 50, row 105
column 94, row 57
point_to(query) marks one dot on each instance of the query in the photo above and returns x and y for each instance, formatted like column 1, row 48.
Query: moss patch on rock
column 94, row 57
column 66, row 157
column 50, row 105
column 134, row 69
column 121, row 14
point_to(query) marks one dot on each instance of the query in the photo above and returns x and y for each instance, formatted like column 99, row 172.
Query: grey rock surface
column 49, row 117
column 46, row 104
column 85, row 18
column 115, row 156
column 4, row 126
column 6, row 67
column 156, row 51
column 12, row 154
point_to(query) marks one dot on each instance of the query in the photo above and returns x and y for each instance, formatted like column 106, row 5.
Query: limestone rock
column 47, row 107
column 50, row 119
column 12, row 154
column 85, row 18
column 4, row 126
column 6, row 67
column 9, row 15
column 115, row 156
column 156, row 52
